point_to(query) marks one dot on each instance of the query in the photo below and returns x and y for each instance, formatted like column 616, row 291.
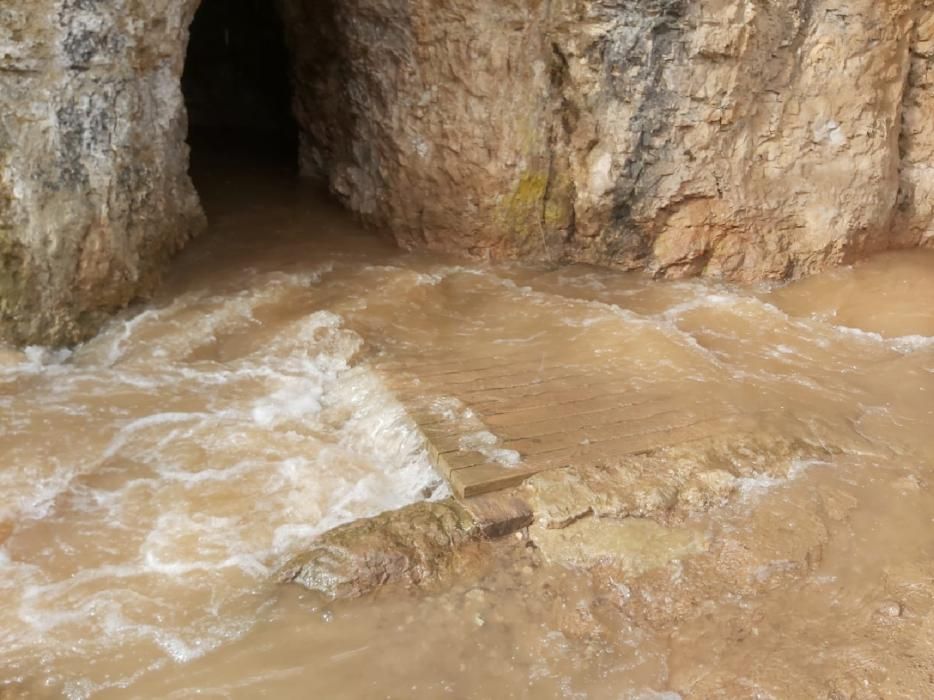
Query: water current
column 155, row 478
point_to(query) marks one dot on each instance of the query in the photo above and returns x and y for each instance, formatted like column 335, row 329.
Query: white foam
column 32, row 360
column 703, row 300
column 487, row 444
column 451, row 409
column 40, row 357
column 127, row 432
column 296, row 400
column 903, row 343
column 478, row 440
column 755, row 486
column 230, row 487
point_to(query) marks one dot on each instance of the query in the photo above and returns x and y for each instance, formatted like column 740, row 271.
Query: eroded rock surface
column 727, row 137
column 411, row 546
column 669, row 484
column 629, row 517
column 632, row 545
column 734, row 138
column 94, row 191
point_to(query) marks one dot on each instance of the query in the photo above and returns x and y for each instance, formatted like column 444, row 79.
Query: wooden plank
column 486, row 478
column 505, row 382
column 499, row 514
column 415, row 394
column 490, row 367
column 553, row 415
column 619, row 404
column 585, row 382
column 449, row 462
column 593, row 420
column 548, row 394
column 596, row 453
column 496, row 376
column 666, row 421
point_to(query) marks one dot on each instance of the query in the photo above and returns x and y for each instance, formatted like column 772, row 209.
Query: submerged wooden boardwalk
column 492, row 422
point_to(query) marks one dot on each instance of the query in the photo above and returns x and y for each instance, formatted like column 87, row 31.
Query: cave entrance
column 238, row 89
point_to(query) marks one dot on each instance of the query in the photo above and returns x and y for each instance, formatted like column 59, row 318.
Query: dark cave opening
column 237, row 85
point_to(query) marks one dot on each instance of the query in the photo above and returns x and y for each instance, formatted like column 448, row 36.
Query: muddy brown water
column 155, row 478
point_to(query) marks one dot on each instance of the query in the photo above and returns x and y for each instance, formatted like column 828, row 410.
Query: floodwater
column 156, row 478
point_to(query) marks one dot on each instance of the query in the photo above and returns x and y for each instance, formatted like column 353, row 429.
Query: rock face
column 728, row 137
column 415, row 545
column 631, row 515
column 94, row 193
column 737, row 138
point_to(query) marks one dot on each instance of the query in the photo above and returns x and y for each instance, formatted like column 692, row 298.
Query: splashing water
column 156, row 478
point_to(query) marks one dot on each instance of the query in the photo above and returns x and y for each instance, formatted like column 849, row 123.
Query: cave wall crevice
column 238, row 73
column 913, row 223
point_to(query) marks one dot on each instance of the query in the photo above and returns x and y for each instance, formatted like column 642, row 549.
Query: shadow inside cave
column 237, row 86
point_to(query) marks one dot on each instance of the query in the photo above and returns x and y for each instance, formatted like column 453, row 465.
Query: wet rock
column 499, row 514
column 707, row 489
column 666, row 484
column 411, row 546
column 915, row 581
column 560, row 497
column 889, row 608
column 624, row 517
column 632, row 545
column 773, row 553
column 837, row 504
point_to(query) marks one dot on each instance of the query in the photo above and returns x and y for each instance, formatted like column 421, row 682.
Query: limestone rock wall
column 915, row 213
column 94, row 192
column 431, row 119
column 746, row 139
column 737, row 138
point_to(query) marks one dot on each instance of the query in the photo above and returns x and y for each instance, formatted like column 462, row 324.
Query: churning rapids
column 155, row 479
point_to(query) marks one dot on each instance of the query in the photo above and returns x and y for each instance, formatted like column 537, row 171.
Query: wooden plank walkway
column 492, row 422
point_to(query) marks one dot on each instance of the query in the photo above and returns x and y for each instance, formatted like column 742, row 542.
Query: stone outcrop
column 411, row 546
column 94, row 191
column 736, row 138
column 628, row 515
